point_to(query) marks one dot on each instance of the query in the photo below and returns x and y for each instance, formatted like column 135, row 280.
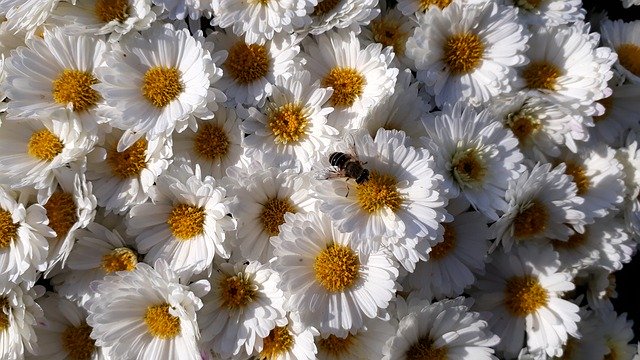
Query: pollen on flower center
column 237, row 291
column 119, row 259
column 575, row 241
column 61, row 211
column 186, row 221
column 523, row 125
column 74, row 87
column 443, row 248
column 4, row 318
column 77, row 342
column 288, row 123
column 425, row 349
column 524, row 295
column 277, row 343
column 379, row 191
column 541, row 75
column 579, row 177
column 336, row 346
column 8, row 229
column 607, row 103
column 161, row 85
column 272, row 214
column 160, row 323
column 247, row 63
column 425, row 4
column 130, row 162
column 336, row 268
column 530, row 221
column 44, row 145
column 347, row 83
column 324, row 6
column 109, row 10
column 463, row 53
column 388, row 33
column 211, row 142
column 629, row 57
column 468, row 167
column 528, row 4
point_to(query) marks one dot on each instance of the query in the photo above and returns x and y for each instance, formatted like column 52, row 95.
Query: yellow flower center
column 425, row 4
column 468, row 167
column 336, row 268
column 463, row 53
column 541, row 75
column 575, row 241
column 247, row 63
column 387, row 32
column 74, row 87
column 336, row 346
column 44, row 145
column 528, row 4
column 119, row 259
column 237, row 291
column 629, row 57
column 607, row 103
column 77, row 342
column 186, row 221
column 8, row 229
column 161, row 85
column 324, row 6
column 272, row 214
column 579, row 177
column 211, row 142
column 444, row 248
column 379, row 191
column 4, row 318
column 288, row 123
column 523, row 295
column 61, row 211
column 347, row 83
column 531, row 221
column 130, row 162
column 109, row 10
column 160, row 323
column 613, row 352
column 523, row 125
column 425, row 349
column 276, row 344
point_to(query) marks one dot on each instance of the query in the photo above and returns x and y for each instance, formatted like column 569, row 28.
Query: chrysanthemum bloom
column 64, row 333
column 591, row 343
column 291, row 130
column 442, row 330
column 391, row 28
column 477, row 155
column 619, row 114
column 332, row 284
column 543, row 204
column 468, row 52
column 145, row 313
column 292, row 341
column 25, row 16
column 549, row 12
column 245, row 303
column 365, row 343
column 169, row 81
column 618, row 333
column 186, row 222
column 523, row 290
column 215, row 146
column 360, row 78
column 624, row 38
column 401, row 204
column 65, row 82
column 19, row 313
column 340, row 14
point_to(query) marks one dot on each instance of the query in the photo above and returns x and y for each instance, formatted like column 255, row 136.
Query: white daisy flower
column 591, row 344
column 25, row 16
column 186, row 222
column 477, row 155
column 435, row 331
column 105, row 17
column 168, row 83
column 619, row 114
column 328, row 280
column 145, row 313
column 365, row 343
column 543, row 204
column 624, row 39
column 64, row 333
column 32, row 152
column 391, row 28
column 260, row 206
column 340, row 14
column 129, row 174
column 453, row 262
column 291, row 130
column 523, row 290
column 360, row 78
column 19, row 314
column 215, row 146
column 468, row 52
column 258, row 21
column 250, row 70
column 244, row 304
column 549, row 12
column 618, row 334
column 290, row 341
column 185, row 9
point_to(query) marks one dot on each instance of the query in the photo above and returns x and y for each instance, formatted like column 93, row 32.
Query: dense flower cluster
column 316, row 179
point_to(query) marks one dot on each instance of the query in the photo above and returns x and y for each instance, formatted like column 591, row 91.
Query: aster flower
column 549, row 12
column 619, row 115
column 624, row 39
column 391, row 28
column 365, row 343
column 618, row 334
column 340, row 14
column 25, row 16
column 468, row 52
column 291, row 341
column 591, row 344
column 19, row 314
column 185, row 9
